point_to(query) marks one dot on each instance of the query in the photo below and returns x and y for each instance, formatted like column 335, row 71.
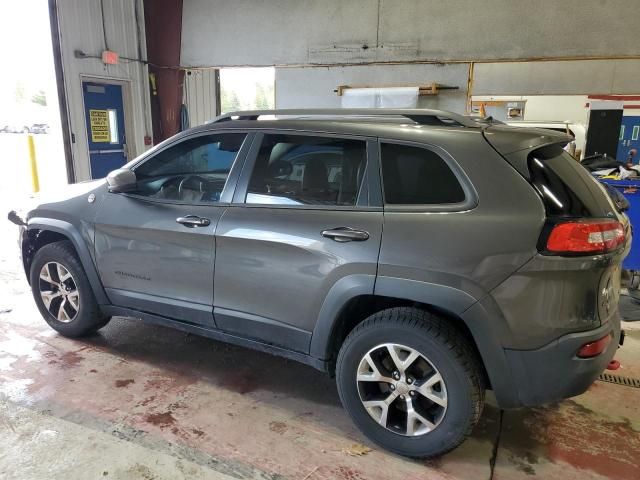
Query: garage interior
column 140, row 401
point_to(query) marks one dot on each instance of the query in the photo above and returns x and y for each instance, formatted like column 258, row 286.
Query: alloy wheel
column 59, row 292
column 401, row 389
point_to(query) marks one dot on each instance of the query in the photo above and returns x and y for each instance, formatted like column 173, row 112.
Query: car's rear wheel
column 62, row 291
column 411, row 382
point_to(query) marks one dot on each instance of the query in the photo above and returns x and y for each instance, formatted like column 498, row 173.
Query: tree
column 264, row 97
column 19, row 94
column 40, row 98
column 229, row 101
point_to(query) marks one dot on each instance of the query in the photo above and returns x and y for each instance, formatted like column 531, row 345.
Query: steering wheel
column 186, row 182
column 168, row 183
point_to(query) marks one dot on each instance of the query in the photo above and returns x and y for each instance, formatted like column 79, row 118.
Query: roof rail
column 421, row 116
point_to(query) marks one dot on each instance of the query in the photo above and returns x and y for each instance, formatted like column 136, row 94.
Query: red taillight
column 589, row 236
column 593, row 349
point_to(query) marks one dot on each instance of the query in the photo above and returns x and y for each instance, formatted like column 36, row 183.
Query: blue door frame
column 104, row 116
column 629, row 137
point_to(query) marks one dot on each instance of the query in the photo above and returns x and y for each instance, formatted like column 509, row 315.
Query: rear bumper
column 554, row 372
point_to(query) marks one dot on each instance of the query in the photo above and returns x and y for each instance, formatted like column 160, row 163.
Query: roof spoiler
column 507, row 139
column 516, row 143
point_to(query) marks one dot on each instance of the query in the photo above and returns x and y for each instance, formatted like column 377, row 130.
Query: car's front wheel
column 62, row 291
column 410, row 381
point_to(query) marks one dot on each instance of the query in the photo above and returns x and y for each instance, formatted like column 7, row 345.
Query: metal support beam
column 163, row 26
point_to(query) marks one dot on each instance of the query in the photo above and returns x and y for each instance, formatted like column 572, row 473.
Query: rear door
column 306, row 215
column 155, row 247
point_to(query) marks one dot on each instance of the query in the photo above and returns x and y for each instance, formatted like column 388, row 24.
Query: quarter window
column 307, row 170
column 417, row 176
column 194, row 170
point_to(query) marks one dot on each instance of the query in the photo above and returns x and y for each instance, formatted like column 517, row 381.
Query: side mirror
column 121, row 180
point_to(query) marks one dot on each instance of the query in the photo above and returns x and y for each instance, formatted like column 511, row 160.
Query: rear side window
column 566, row 187
column 417, row 176
column 307, row 170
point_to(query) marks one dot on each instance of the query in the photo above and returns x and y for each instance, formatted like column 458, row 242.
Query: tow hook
column 615, row 364
column 15, row 218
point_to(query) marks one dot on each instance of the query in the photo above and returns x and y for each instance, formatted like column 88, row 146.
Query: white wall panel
column 557, row 78
column 200, row 95
column 80, row 28
column 313, row 86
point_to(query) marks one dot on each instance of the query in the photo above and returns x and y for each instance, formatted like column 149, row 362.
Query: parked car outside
column 12, row 127
column 19, row 128
column 39, row 128
column 419, row 256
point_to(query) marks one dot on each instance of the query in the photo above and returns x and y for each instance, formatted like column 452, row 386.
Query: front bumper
column 554, row 372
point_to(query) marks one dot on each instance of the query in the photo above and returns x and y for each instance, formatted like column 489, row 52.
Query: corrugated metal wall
column 200, row 95
column 80, row 25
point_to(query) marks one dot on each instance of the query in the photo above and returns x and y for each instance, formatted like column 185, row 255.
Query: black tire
column 88, row 319
column 445, row 348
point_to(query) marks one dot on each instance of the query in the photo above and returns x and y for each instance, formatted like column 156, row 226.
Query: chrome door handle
column 346, row 234
column 193, row 221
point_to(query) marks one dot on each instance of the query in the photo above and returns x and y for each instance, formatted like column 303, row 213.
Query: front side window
column 417, row 176
column 307, row 170
column 194, row 170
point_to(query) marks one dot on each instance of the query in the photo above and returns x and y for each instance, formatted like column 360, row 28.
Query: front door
column 104, row 114
column 155, row 247
column 301, row 222
column 629, row 137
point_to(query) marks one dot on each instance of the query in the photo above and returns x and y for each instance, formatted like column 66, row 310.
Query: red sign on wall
column 109, row 57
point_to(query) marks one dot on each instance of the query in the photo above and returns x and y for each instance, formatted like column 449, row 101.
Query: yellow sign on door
column 99, row 122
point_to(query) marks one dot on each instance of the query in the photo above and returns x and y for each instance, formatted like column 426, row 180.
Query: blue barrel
column 631, row 191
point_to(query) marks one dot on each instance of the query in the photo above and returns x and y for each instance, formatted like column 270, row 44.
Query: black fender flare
column 447, row 298
column 485, row 320
column 478, row 311
column 480, row 314
column 441, row 296
column 75, row 237
column 339, row 295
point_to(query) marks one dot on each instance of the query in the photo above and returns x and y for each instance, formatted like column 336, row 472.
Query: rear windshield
column 566, row 187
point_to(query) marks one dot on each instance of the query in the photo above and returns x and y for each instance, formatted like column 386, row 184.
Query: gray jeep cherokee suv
column 420, row 255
